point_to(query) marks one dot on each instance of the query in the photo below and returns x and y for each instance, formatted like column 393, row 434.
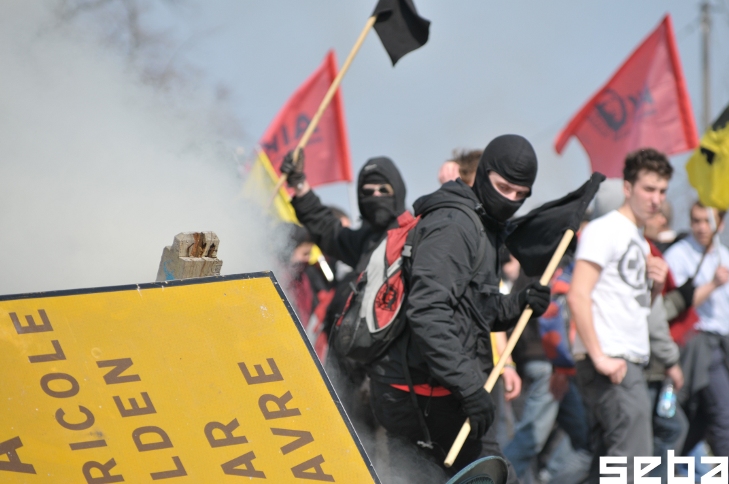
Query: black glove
column 479, row 408
column 536, row 296
column 687, row 292
column 294, row 171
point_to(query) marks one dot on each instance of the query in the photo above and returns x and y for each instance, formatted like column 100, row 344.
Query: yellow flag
column 708, row 167
column 259, row 186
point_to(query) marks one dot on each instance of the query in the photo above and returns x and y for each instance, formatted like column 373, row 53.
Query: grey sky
column 489, row 68
column 98, row 172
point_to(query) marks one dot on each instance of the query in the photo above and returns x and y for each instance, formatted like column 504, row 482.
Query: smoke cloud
column 98, row 171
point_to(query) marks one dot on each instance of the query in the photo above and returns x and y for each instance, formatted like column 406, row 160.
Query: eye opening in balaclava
column 512, row 157
column 381, row 211
column 375, row 178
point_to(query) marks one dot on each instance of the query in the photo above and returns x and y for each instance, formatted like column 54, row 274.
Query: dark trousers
column 444, row 418
column 619, row 416
column 712, row 419
column 541, row 411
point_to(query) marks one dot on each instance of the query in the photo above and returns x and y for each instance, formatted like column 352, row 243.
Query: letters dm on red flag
column 645, row 104
column 327, row 153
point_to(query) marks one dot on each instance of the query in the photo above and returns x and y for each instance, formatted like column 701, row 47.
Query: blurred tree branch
column 124, row 25
column 135, row 28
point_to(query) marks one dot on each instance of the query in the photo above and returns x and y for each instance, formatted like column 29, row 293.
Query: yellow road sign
column 203, row 381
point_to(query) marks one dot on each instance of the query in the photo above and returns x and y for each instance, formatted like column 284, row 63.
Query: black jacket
column 452, row 306
column 353, row 247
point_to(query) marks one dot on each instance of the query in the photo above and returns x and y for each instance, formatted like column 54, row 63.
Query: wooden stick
column 518, row 330
column 327, row 99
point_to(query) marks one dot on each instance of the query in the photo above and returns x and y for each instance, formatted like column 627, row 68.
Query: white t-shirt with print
column 621, row 298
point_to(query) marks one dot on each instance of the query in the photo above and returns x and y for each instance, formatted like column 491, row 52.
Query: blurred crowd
column 625, row 355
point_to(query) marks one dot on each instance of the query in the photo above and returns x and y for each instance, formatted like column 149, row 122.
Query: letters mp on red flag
column 327, row 153
column 645, row 104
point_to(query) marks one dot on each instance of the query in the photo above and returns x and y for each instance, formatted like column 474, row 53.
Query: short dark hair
column 698, row 204
column 646, row 159
column 467, row 160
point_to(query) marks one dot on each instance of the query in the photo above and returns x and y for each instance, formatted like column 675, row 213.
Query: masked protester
column 453, row 304
column 381, row 197
column 508, row 167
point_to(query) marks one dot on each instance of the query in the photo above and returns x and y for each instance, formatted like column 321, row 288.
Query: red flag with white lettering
column 327, row 153
column 645, row 104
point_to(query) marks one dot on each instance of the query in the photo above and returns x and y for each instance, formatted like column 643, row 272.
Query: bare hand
column 676, row 375
column 657, row 270
column 613, row 368
column 559, row 384
column 721, row 276
column 512, row 383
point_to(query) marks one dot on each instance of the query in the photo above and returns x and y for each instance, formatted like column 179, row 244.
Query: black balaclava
column 380, row 212
column 512, row 157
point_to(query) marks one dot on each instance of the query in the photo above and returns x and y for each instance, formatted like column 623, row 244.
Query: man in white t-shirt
column 614, row 281
column 705, row 355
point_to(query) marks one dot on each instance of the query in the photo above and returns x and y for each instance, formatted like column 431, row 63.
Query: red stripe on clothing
column 424, row 390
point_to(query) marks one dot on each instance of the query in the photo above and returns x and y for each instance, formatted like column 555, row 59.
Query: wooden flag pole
column 518, row 330
column 327, row 99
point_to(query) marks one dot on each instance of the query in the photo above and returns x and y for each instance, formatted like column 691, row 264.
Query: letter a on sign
column 210, row 379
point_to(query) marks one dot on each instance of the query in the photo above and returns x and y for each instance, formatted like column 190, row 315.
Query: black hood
column 381, row 170
column 458, row 192
column 386, row 168
column 453, row 191
column 512, row 157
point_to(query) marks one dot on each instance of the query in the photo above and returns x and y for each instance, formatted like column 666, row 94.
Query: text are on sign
column 206, row 381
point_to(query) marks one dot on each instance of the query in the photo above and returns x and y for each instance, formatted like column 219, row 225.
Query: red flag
column 327, row 153
column 645, row 104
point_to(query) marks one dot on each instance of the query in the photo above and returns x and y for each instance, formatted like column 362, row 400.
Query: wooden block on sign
column 192, row 254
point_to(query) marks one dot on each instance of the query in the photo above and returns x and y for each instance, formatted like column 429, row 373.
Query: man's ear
column 627, row 189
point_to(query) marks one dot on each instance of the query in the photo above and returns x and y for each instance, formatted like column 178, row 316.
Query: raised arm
column 326, row 229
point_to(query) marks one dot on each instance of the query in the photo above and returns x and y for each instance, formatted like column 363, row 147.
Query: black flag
column 538, row 233
column 400, row 28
